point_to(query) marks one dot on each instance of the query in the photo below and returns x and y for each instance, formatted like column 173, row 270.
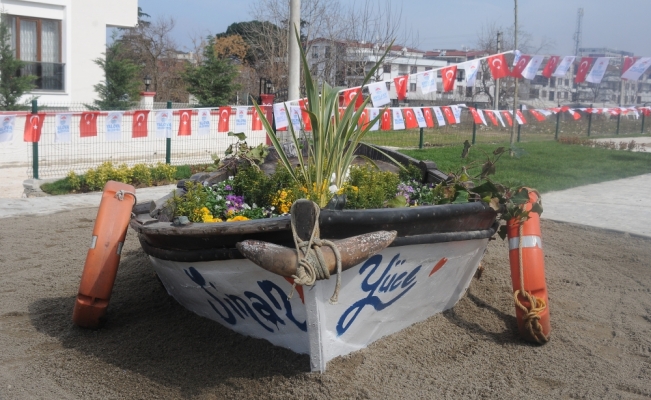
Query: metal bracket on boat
column 285, row 261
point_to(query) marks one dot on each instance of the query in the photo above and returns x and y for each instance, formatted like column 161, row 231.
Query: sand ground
column 599, row 288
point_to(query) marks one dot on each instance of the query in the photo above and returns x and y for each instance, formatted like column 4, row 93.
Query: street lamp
column 268, row 86
column 147, row 81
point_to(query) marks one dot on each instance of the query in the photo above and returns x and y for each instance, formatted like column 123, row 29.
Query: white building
column 59, row 39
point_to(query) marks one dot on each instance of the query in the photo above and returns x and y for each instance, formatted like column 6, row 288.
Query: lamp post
column 147, row 81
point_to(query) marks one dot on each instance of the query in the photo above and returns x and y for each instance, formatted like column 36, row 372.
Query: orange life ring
column 533, row 323
column 103, row 257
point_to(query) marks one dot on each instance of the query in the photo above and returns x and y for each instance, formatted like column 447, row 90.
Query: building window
column 469, row 91
column 402, row 69
column 639, row 99
column 478, row 76
column 37, row 42
column 567, row 82
column 565, row 95
column 388, row 85
column 315, row 51
column 327, row 52
column 551, row 95
column 552, row 82
column 414, row 69
column 461, row 90
column 544, row 94
column 412, row 87
column 428, row 68
column 534, row 93
column 386, row 68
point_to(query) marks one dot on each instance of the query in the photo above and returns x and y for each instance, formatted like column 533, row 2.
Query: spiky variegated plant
column 334, row 139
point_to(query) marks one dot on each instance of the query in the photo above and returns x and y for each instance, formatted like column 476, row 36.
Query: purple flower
column 228, row 187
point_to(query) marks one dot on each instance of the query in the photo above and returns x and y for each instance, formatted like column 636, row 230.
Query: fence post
column 420, row 142
column 474, row 127
column 619, row 118
column 558, row 120
column 35, row 145
column 590, row 120
column 643, row 115
column 168, row 143
column 519, row 125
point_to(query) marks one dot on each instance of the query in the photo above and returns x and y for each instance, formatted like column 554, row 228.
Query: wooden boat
column 424, row 271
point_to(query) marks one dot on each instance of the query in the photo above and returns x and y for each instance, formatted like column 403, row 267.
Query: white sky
column 617, row 24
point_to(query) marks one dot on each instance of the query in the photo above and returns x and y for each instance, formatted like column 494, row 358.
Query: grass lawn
column 546, row 166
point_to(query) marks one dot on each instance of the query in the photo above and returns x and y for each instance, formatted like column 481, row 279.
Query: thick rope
column 536, row 305
column 311, row 264
column 120, row 195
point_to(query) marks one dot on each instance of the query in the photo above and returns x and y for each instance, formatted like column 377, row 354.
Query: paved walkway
column 623, row 205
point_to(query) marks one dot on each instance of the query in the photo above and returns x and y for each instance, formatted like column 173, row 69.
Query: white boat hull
column 390, row 291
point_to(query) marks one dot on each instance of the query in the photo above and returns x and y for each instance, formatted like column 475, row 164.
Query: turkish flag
column 224, row 119
column 507, row 115
column 646, row 111
column 521, row 116
column 475, row 115
column 551, row 66
column 307, row 123
column 349, row 95
column 449, row 115
column 401, row 86
column 185, row 122
column 520, row 66
column 498, row 66
column 386, row 120
column 584, row 67
column 429, row 119
column 33, row 127
column 537, row 115
column 410, row 118
column 88, row 124
column 448, row 74
column 628, row 63
column 363, row 119
column 565, row 109
column 256, row 122
column 491, row 116
column 139, row 124
column 574, row 114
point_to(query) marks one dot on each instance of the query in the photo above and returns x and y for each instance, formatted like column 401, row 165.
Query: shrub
column 163, row 172
column 369, row 187
column 141, row 175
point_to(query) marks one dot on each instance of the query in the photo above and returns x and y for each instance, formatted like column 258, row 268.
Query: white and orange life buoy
column 528, row 275
column 103, row 257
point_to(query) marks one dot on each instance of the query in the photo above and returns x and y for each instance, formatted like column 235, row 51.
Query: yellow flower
column 238, row 218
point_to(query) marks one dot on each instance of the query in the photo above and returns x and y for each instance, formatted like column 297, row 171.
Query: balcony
column 49, row 76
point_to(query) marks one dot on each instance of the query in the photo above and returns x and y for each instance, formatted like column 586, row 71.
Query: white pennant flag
column 398, row 119
column 517, row 117
column 372, row 113
column 530, row 70
column 379, row 94
column 564, row 66
column 546, row 113
column 280, row 116
column 439, row 116
column 7, row 128
column 295, row 115
column 598, row 70
column 164, row 123
column 498, row 115
column 471, row 68
column 426, row 81
column 481, row 115
column 114, row 125
column 240, row 119
column 203, row 117
column 420, row 118
column 62, row 133
column 456, row 111
column 636, row 70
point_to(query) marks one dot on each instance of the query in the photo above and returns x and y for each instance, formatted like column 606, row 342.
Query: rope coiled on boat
column 311, row 264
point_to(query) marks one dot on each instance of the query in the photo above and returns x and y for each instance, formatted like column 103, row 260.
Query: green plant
column 334, row 138
column 163, row 172
column 368, row 187
column 74, row 182
column 141, row 175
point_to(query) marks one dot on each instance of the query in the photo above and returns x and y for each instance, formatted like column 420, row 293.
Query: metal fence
column 49, row 158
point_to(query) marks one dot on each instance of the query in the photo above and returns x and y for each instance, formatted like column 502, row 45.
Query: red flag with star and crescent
column 349, row 95
column 185, row 122
column 516, row 72
column 584, row 67
column 521, row 116
column 449, row 115
column 88, row 124
column 475, row 115
column 386, row 120
column 429, row 119
column 628, row 63
column 507, row 116
column 139, row 124
column 447, row 75
column 537, row 115
column 33, row 127
column 401, row 86
column 498, row 66
column 491, row 116
column 410, row 118
column 363, row 119
column 224, row 119
column 307, row 122
column 550, row 67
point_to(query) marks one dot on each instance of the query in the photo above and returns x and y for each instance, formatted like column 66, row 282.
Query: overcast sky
column 445, row 24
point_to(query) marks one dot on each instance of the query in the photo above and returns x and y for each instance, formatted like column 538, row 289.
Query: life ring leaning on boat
column 528, row 275
column 103, row 257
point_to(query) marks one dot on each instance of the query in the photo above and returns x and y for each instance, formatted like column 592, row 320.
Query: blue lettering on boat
column 394, row 283
column 262, row 310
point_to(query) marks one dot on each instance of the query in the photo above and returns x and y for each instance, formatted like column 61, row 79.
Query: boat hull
column 390, row 291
